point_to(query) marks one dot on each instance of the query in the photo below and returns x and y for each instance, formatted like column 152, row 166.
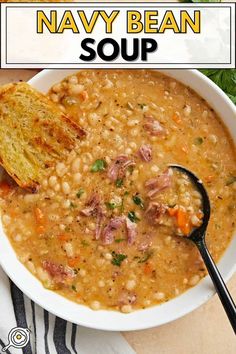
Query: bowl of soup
column 104, row 242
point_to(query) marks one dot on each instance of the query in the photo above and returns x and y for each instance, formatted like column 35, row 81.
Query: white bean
column 73, row 80
column 68, row 247
column 159, row 296
column 77, row 177
column 126, row 308
column 76, row 89
column 187, row 110
column 60, row 169
column 130, row 285
column 76, row 165
column 194, row 280
column 65, row 187
column 108, row 256
column 95, row 305
column 52, row 181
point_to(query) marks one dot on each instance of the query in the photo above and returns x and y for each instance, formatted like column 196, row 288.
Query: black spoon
column 198, row 237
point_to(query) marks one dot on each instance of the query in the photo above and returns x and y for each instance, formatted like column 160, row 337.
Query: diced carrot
column 73, row 262
column 172, row 211
column 186, row 229
column 64, row 237
column 84, row 95
column 176, row 118
column 40, row 229
column 39, row 216
column 5, row 188
column 200, row 215
column 183, row 221
column 148, row 268
column 209, row 178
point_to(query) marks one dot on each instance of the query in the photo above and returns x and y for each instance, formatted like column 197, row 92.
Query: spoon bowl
column 199, row 232
column 197, row 236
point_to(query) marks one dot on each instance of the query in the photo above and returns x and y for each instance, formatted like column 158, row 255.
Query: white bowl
column 154, row 316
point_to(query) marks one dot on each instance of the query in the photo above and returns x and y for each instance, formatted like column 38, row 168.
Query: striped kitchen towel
column 48, row 334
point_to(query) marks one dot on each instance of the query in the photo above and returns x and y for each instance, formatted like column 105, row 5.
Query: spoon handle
column 219, row 283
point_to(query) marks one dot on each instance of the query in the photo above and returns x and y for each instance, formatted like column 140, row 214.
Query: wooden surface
column 204, row 331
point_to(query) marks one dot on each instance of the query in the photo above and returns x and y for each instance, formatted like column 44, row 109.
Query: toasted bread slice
column 34, row 134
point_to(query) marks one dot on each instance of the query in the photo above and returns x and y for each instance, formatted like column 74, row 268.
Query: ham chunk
column 131, row 231
column 145, row 152
column 58, row 272
column 154, row 212
column 116, row 223
column 126, row 298
column 94, row 208
column 108, row 232
column 99, row 222
column 145, row 243
column 118, row 167
column 153, row 126
column 157, row 184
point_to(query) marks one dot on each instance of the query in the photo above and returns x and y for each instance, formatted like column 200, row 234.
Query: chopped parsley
column 132, row 216
column 198, row 140
column 84, row 243
column 118, row 240
column 138, row 201
column 117, row 258
column 80, row 192
column 73, row 288
column 142, row 105
column 99, row 165
column 111, row 205
column 230, row 180
column 119, row 182
column 145, row 257
column 131, row 169
column 72, row 205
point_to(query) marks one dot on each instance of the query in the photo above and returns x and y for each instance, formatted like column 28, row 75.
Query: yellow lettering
column 149, row 21
column 109, row 19
column 195, row 24
column 42, row 19
column 134, row 23
column 169, row 22
column 88, row 25
column 68, row 22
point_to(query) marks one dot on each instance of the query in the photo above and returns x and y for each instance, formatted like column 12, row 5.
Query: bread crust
column 34, row 134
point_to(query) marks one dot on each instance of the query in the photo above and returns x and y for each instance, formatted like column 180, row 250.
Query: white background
column 26, row 48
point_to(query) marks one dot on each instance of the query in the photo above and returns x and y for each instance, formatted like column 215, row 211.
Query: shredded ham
column 131, row 231
column 94, row 208
column 154, row 212
column 91, row 206
column 57, row 271
column 157, row 184
column 118, row 167
column 114, row 224
column 108, row 232
column 99, row 222
column 145, row 243
column 126, row 298
column 153, row 126
column 145, row 152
